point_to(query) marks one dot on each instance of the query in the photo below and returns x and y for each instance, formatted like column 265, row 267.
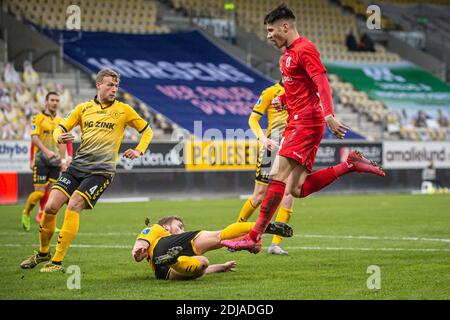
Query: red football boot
column 357, row 162
column 243, row 243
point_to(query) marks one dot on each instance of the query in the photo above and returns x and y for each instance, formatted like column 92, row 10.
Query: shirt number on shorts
column 92, row 190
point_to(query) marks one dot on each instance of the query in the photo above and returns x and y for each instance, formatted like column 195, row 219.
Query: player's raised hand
column 140, row 250
column 132, row 154
column 66, row 137
column 337, row 128
column 269, row 143
column 276, row 103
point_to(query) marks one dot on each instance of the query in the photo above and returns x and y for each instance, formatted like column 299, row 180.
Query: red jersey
column 300, row 63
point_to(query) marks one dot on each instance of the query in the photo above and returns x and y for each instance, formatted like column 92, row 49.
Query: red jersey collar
column 295, row 41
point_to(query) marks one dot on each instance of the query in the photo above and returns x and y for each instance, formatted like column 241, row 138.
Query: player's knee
column 296, row 192
column 76, row 203
column 51, row 208
column 204, row 263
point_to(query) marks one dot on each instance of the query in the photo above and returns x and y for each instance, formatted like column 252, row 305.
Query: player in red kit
column 306, row 85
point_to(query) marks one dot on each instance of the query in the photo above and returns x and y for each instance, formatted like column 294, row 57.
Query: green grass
column 322, row 263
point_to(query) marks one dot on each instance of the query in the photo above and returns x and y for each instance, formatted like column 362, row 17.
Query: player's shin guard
column 274, row 195
column 235, row 230
column 33, row 199
column 46, row 229
column 283, row 215
column 246, row 211
column 66, row 235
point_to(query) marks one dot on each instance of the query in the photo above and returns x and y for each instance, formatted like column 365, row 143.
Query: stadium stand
column 319, row 21
column 22, row 95
column 133, row 16
column 325, row 23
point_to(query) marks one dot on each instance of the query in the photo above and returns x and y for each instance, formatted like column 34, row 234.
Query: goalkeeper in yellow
column 175, row 254
column 269, row 144
column 103, row 121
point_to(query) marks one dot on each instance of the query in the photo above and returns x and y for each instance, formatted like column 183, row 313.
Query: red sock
column 274, row 195
column 321, row 178
column 43, row 201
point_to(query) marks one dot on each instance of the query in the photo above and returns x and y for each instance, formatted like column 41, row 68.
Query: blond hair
column 107, row 73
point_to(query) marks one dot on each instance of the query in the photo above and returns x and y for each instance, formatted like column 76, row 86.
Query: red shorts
column 301, row 143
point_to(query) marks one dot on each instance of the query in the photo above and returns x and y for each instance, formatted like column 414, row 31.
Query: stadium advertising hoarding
column 193, row 155
column 411, row 155
column 243, row 155
column 332, row 153
column 400, row 85
column 15, row 156
column 159, row 155
column 221, row 155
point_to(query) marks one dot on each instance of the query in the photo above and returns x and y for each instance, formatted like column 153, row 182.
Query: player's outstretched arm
column 224, row 267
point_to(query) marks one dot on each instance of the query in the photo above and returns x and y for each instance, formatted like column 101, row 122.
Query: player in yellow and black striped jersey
column 103, row 121
column 156, row 242
column 276, row 123
column 49, row 158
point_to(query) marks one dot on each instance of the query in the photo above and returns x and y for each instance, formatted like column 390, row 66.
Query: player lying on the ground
column 178, row 255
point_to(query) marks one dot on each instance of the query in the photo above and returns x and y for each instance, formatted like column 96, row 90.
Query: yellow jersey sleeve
column 264, row 101
column 134, row 120
column 36, row 125
column 72, row 120
column 253, row 122
column 152, row 235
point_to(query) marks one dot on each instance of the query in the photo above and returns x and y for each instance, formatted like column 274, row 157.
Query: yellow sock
column 235, row 230
column 283, row 215
column 66, row 235
column 246, row 211
column 188, row 266
column 33, row 199
column 46, row 230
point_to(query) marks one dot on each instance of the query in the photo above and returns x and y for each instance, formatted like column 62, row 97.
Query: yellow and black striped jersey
column 102, row 130
column 276, row 120
column 152, row 235
column 43, row 125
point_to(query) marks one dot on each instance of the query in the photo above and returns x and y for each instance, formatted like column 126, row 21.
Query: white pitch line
column 369, row 249
column 318, row 236
column 95, row 246
column 372, row 238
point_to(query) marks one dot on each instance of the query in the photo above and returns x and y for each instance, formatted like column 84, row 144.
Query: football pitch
column 336, row 240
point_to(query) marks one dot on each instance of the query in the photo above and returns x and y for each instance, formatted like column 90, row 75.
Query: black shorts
column 264, row 165
column 44, row 174
column 89, row 186
column 184, row 240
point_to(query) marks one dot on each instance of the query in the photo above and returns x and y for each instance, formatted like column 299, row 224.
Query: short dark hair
column 279, row 13
column 50, row 93
column 169, row 219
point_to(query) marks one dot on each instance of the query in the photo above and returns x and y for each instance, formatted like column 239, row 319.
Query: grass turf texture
column 323, row 262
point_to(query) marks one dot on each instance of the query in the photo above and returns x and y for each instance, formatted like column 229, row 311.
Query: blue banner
column 183, row 75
